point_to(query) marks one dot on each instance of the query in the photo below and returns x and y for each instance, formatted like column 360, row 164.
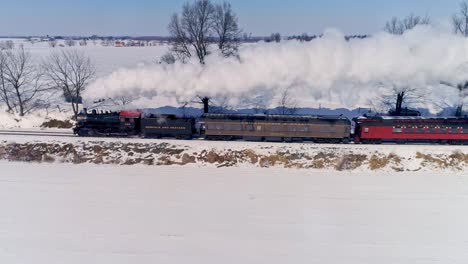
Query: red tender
column 130, row 114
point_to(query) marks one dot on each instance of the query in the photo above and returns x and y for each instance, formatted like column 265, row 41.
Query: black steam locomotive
column 133, row 123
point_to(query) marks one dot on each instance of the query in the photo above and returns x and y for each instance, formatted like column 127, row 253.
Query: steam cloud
column 329, row 70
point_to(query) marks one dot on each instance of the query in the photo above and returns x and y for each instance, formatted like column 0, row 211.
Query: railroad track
column 39, row 133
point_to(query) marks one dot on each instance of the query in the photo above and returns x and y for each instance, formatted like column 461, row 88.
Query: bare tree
column 7, row 45
column 200, row 24
column 398, row 26
column 122, row 100
column 399, row 98
column 70, row 42
column 5, row 90
column 287, row 104
column 192, row 30
column 462, row 89
column 304, row 37
column 180, row 41
column 460, row 20
column 52, row 43
column 203, row 100
column 394, row 27
column 412, row 21
column 24, row 81
column 70, row 71
column 227, row 29
column 167, row 58
column 276, row 37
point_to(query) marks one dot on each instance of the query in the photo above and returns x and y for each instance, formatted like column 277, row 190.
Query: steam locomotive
column 275, row 128
column 133, row 123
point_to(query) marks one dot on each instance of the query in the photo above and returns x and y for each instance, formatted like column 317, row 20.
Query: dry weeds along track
column 280, row 155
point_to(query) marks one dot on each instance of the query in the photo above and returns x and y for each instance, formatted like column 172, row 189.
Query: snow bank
column 33, row 120
column 199, row 153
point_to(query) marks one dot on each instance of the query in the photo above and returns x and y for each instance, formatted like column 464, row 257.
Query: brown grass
column 272, row 160
column 54, row 123
column 350, row 162
column 430, row 159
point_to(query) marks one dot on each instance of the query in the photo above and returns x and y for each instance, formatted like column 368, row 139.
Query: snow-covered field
column 106, row 214
column 106, row 59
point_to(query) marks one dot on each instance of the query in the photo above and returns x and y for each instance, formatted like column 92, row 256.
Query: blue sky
column 259, row 17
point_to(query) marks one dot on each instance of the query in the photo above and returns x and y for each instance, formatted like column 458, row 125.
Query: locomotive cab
column 130, row 122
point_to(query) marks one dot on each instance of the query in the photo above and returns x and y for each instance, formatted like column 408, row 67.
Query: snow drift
column 59, row 213
column 329, row 71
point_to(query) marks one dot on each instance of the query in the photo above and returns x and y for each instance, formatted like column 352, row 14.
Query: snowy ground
column 107, row 59
column 105, row 214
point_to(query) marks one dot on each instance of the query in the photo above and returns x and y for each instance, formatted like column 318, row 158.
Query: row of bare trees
column 399, row 26
column 201, row 24
column 26, row 85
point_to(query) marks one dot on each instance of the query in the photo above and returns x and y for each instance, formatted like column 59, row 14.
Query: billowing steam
column 329, row 70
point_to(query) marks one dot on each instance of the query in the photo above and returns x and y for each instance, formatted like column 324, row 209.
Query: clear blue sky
column 260, row 17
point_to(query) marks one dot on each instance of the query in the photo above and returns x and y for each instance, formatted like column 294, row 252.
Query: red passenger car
column 375, row 130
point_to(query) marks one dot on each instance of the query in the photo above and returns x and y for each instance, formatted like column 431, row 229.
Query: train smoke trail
column 329, row 70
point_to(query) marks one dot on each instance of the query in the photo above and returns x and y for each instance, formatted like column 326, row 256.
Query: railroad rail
column 39, row 133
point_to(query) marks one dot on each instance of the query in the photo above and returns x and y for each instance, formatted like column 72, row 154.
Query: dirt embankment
column 164, row 154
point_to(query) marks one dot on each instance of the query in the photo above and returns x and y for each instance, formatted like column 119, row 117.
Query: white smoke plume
column 328, row 70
